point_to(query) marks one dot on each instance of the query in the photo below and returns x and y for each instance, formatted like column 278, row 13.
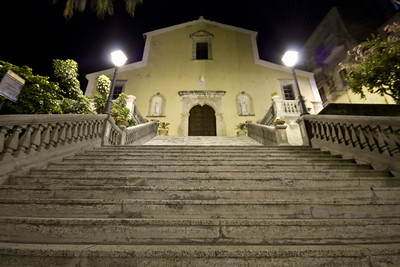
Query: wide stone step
column 207, row 148
column 31, row 254
column 200, row 231
column 199, row 193
column 206, row 153
column 203, row 167
column 265, row 174
column 132, row 208
column 116, row 161
column 246, row 181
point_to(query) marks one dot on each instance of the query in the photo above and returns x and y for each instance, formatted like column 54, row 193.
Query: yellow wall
column 170, row 69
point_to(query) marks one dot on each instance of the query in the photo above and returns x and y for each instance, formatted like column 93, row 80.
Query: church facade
column 204, row 78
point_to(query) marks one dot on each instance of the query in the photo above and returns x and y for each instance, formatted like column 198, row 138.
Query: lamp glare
column 118, row 58
column 290, row 58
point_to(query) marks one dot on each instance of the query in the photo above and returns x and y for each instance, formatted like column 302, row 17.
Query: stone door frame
column 202, row 97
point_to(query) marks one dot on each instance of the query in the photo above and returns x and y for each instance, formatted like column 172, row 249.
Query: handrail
column 269, row 118
column 32, row 139
column 375, row 140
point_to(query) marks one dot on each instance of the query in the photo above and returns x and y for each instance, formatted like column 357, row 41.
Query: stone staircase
column 191, row 205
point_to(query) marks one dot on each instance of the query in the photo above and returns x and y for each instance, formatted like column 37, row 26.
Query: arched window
column 157, row 106
column 244, row 104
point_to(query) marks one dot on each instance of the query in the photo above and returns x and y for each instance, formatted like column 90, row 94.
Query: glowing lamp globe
column 290, row 58
column 118, row 58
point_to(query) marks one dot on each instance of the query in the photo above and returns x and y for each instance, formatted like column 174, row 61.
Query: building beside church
column 204, row 78
column 339, row 31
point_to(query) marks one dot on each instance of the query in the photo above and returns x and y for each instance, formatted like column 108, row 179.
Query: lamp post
column 290, row 59
column 118, row 58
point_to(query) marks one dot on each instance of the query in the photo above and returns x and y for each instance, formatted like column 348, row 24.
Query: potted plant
column 242, row 129
column 278, row 121
column 274, row 95
column 163, row 128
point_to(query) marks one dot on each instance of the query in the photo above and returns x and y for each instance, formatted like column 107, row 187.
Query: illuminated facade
column 205, row 77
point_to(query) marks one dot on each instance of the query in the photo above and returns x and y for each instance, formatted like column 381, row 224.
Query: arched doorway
column 202, row 121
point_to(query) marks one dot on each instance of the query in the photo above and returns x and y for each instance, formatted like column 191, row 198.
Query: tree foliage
column 67, row 72
column 101, row 7
column 103, row 87
column 38, row 95
column 119, row 112
column 375, row 65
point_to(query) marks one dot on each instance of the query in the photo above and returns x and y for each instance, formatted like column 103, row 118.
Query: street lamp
column 290, row 59
column 118, row 58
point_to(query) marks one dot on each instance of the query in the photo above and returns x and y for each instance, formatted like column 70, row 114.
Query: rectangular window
column 201, row 51
column 288, row 92
column 322, row 94
column 117, row 91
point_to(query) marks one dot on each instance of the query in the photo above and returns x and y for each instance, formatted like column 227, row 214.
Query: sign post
column 10, row 86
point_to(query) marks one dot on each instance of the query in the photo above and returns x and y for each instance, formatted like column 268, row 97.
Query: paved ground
column 202, row 141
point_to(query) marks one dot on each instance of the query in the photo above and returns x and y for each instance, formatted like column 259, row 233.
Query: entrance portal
column 202, row 121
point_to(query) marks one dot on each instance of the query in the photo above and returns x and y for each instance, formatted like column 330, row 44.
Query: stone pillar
column 281, row 135
column 303, row 130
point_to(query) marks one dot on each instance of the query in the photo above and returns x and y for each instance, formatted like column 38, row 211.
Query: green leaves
column 375, row 65
column 101, row 7
column 38, row 95
column 118, row 109
column 67, row 72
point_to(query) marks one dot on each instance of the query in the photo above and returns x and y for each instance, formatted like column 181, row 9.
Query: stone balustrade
column 28, row 140
column 281, row 109
column 375, row 140
column 268, row 135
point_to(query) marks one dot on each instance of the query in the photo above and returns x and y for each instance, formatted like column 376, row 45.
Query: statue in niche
column 244, row 104
column 156, row 105
column 202, row 81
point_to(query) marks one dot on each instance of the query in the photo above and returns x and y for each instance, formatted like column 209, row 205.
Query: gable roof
column 200, row 20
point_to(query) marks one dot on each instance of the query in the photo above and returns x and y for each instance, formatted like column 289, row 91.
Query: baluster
column 68, row 132
column 11, row 143
column 340, row 133
column 85, row 130
column 3, row 132
column 392, row 140
column 45, row 142
column 36, row 137
column 80, row 131
column 331, row 132
column 75, row 132
column 62, row 134
column 54, row 136
column 315, row 129
column 323, row 131
column 353, row 136
column 366, row 138
column 379, row 138
column 25, row 140
column 347, row 134
column 90, row 130
column 95, row 129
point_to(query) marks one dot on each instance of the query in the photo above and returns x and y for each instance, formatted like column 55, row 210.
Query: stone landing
column 202, row 141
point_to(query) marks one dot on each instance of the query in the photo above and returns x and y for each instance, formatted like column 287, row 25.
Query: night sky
column 34, row 32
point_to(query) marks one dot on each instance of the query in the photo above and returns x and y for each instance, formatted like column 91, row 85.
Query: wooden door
column 202, row 121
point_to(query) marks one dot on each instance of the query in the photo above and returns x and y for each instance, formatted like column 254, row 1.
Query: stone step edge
column 195, row 189
column 197, row 251
column 180, row 202
column 149, row 174
column 200, row 222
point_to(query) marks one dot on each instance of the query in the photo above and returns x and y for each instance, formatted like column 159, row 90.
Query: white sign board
column 10, row 85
